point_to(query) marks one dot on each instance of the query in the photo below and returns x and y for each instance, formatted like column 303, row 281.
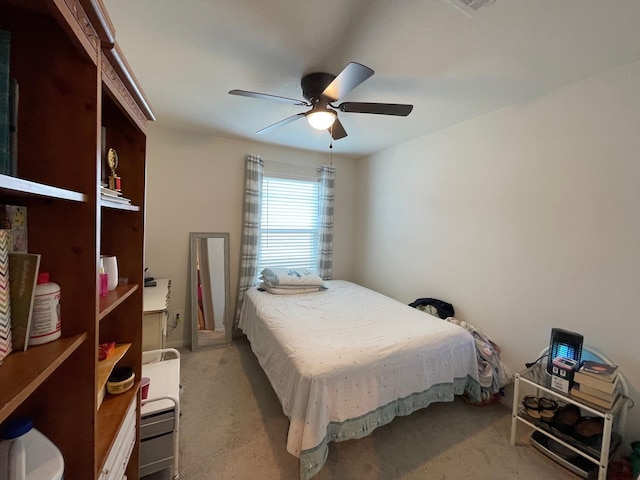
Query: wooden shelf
column 15, row 185
column 106, row 366
column 109, row 419
column 22, row 372
column 115, row 298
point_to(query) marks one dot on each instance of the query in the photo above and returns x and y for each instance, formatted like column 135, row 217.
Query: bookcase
column 75, row 83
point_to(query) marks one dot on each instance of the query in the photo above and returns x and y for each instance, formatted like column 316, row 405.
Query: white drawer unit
column 117, row 460
column 160, row 413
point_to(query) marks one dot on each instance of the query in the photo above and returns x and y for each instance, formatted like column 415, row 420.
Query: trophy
column 114, row 179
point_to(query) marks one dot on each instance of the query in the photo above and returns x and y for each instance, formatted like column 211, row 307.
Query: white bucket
column 26, row 454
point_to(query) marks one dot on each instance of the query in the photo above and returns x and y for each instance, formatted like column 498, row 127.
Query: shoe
column 548, row 408
column 589, row 426
column 532, row 406
column 566, row 417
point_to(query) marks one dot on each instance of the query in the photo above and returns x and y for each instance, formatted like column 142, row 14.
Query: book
column 598, row 393
column 607, row 404
column 604, row 371
column 602, row 385
column 108, row 191
column 111, row 198
column 6, row 337
column 5, row 150
column 23, row 276
column 14, row 94
column 13, row 218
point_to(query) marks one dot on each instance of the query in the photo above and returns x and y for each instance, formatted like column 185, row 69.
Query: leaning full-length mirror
column 209, row 290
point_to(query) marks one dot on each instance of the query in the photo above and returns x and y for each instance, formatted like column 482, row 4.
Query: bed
column 347, row 360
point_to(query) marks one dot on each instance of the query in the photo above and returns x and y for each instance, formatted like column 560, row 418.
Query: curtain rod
column 314, row 167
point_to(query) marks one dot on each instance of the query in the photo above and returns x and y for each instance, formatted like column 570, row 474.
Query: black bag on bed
column 444, row 309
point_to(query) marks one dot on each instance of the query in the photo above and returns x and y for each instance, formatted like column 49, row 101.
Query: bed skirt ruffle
column 312, row 460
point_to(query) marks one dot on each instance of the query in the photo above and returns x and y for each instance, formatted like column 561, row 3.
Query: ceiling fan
column 321, row 90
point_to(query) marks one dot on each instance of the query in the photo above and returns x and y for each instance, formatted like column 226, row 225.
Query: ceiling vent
column 471, row 7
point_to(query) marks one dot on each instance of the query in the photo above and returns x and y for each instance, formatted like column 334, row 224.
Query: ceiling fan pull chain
column 331, row 146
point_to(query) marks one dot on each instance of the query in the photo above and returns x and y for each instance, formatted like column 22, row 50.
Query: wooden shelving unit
column 74, row 81
column 23, row 372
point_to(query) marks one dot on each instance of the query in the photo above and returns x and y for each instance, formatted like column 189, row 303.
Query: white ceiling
column 451, row 66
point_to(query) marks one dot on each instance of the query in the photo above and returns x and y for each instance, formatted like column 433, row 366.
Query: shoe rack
column 586, row 456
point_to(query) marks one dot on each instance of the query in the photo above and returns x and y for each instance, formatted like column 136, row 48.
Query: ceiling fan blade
column 349, row 78
column 275, row 98
column 281, row 123
column 397, row 109
column 337, row 131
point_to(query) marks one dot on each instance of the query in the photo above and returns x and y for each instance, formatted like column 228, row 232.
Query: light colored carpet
column 232, row 427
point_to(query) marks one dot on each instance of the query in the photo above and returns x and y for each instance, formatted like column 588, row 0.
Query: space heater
column 564, row 343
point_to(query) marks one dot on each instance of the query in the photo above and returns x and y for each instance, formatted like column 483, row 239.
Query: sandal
column 548, row 408
column 532, row 406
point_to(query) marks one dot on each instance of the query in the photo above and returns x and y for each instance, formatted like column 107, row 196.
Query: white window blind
column 289, row 227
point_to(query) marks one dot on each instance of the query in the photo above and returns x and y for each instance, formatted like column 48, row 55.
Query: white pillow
column 278, row 277
column 290, row 290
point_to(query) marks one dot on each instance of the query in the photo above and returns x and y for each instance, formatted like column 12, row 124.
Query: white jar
column 45, row 320
column 110, row 264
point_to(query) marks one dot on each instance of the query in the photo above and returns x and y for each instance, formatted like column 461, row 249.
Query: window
column 289, row 228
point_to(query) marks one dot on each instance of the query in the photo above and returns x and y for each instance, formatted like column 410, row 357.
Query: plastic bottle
column 26, row 454
column 45, row 321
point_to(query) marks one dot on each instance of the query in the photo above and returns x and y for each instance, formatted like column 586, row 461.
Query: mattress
column 347, row 360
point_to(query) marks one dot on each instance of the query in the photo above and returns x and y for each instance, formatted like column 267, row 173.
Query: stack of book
column 8, row 110
column 113, row 195
column 597, row 383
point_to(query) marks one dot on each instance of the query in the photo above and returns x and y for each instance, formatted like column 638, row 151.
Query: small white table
column 536, row 377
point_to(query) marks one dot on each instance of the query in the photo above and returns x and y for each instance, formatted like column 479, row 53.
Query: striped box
column 6, row 344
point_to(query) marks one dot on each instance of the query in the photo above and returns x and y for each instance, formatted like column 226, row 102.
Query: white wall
column 195, row 184
column 524, row 219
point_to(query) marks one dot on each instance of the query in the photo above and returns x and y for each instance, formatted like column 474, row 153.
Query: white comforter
column 347, row 360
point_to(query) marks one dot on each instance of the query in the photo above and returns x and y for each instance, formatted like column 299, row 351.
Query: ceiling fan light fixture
column 320, row 89
column 471, row 7
column 321, row 119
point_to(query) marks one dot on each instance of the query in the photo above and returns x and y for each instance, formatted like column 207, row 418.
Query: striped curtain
column 253, row 173
column 326, row 187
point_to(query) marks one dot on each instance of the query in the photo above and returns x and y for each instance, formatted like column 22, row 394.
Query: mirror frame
column 195, row 239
